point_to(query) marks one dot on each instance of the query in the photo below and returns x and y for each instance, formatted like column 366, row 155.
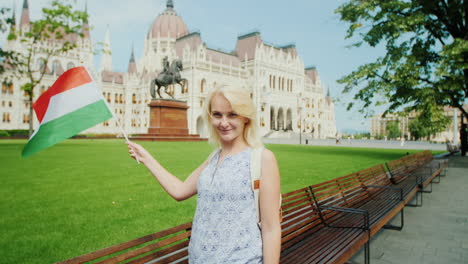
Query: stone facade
column 288, row 96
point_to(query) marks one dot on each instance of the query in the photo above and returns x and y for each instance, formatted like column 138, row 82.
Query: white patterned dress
column 225, row 226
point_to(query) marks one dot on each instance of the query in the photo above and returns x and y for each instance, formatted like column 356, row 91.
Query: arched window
column 108, row 98
column 70, row 65
column 134, row 99
column 116, row 98
column 202, row 86
column 121, row 99
column 41, row 64
column 56, row 67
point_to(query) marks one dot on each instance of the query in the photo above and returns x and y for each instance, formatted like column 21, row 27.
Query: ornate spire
column 25, row 20
column 132, row 64
column 86, row 11
column 86, row 27
column 170, row 4
column 106, row 58
column 132, row 57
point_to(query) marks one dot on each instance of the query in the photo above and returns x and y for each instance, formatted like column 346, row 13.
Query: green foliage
column 428, row 123
column 7, row 58
column 83, row 195
column 426, row 58
column 393, row 129
column 14, row 132
column 362, row 135
column 60, row 24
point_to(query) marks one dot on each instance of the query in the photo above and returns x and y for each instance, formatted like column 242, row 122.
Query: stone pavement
column 359, row 143
column 437, row 232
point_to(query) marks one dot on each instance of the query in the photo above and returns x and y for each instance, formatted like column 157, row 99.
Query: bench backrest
column 300, row 217
column 376, row 175
column 162, row 247
column 345, row 191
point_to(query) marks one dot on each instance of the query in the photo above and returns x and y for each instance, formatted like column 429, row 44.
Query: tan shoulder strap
column 255, row 172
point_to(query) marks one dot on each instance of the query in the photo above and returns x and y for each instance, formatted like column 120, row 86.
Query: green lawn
column 84, row 195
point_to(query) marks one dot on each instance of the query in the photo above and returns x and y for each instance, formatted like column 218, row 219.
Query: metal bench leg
column 402, row 222
column 427, row 191
column 438, row 178
column 418, row 194
column 367, row 253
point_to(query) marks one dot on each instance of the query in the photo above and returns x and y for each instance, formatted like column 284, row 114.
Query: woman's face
column 228, row 124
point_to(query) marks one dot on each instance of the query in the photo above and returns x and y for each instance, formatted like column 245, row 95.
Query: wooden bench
column 167, row 246
column 419, row 170
column 350, row 191
column 320, row 236
column 307, row 237
column 377, row 175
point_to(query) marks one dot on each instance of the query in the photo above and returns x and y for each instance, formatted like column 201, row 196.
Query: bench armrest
column 388, row 188
column 365, row 214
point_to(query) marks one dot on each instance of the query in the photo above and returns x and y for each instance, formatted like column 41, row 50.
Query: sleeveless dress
column 225, row 226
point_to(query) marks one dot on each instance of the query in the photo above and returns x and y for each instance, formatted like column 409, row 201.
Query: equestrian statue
column 169, row 76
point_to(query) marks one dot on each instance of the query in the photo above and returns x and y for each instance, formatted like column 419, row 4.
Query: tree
column 7, row 57
column 428, row 123
column 426, row 60
column 59, row 24
column 393, row 129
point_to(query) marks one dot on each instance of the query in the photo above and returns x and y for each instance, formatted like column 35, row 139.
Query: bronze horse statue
column 167, row 78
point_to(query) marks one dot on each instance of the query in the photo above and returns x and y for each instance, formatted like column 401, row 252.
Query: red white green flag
column 72, row 104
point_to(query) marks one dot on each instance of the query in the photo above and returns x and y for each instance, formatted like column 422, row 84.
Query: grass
column 84, row 195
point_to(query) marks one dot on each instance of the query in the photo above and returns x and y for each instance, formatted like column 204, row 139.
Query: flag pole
column 113, row 115
column 123, row 132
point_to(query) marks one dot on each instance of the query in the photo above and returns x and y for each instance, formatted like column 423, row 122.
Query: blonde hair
column 243, row 105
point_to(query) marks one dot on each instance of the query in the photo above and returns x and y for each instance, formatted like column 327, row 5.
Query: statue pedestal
column 168, row 122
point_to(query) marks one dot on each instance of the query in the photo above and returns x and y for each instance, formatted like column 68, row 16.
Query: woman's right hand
column 138, row 152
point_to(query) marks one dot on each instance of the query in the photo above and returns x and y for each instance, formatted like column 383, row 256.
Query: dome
column 168, row 24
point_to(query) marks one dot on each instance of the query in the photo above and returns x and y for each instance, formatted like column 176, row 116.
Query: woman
column 225, row 226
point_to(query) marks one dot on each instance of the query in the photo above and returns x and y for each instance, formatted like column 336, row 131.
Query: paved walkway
column 437, row 232
column 359, row 143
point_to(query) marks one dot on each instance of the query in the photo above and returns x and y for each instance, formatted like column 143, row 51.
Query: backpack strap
column 255, row 172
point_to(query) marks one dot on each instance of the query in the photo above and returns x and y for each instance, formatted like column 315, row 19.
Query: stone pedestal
column 168, row 122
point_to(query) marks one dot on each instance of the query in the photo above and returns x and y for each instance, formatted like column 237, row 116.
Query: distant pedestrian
column 464, row 139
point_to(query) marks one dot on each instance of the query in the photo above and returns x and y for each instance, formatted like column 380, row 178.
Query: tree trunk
column 30, row 115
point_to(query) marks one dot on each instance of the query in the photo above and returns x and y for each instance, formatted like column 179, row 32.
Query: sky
column 311, row 25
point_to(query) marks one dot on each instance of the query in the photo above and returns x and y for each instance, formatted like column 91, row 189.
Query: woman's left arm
column 269, row 208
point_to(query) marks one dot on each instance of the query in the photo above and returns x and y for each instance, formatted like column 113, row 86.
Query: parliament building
column 289, row 97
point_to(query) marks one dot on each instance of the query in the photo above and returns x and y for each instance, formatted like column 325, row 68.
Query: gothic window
column 116, row 98
column 108, row 98
column 121, row 99
column 134, row 99
column 56, row 67
column 41, row 64
column 70, row 65
column 202, row 86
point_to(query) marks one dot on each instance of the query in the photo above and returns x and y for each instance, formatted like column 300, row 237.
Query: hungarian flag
column 72, row 104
